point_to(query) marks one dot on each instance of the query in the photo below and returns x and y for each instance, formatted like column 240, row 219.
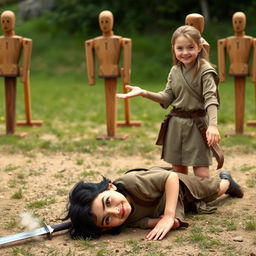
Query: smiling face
column 111, row 208
column 186, row 50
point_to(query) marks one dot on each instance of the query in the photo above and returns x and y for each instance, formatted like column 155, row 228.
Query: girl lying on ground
column 152, row 198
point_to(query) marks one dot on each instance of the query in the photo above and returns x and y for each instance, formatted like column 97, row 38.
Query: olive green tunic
column 185, row 91
column 147, row 190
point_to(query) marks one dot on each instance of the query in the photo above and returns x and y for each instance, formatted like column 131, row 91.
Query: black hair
column 79, row 209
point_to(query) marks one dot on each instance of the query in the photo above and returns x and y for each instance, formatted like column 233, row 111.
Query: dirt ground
column 36, row 177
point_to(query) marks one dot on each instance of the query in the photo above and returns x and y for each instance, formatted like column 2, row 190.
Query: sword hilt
column 56, row 228
column 61, row 226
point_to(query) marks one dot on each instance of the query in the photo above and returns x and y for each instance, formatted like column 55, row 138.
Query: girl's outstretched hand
column 135, row 91
column 164, row 225
column 212, row 135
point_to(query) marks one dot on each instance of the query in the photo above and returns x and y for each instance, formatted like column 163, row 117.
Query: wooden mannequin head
column 239, row 22
column 106, row 21
column 8, row 22
column 196, row 20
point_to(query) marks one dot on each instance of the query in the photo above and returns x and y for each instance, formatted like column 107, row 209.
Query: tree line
column 134, row 15
column 144, row 15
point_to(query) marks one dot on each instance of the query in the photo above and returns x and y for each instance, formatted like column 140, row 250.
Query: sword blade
column 28, row 234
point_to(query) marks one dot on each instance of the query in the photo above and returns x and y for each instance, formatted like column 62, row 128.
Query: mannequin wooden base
column 30, row 123
column 251, row 123
column 115, row 137
column 130, row 123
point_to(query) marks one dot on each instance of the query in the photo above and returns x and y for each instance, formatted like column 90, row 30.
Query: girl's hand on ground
column 161, row 229
column 212, row 135
column 135, row 91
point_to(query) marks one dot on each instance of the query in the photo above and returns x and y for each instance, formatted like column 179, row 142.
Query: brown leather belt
column 201, row 125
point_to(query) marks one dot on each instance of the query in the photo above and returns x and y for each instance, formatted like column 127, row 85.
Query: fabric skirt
column 184, row 144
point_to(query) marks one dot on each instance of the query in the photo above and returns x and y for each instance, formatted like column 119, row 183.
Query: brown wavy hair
column 194, row 36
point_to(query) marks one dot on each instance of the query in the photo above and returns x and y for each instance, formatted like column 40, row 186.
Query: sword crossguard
column 49, row 230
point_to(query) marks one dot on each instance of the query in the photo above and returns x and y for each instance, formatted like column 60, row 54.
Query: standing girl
column 192, row 92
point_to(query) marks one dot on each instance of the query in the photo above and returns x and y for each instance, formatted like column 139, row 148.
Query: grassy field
column 71, row 109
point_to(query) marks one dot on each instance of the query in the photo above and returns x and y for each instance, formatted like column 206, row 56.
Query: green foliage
column 130, row 14
column 79, row 16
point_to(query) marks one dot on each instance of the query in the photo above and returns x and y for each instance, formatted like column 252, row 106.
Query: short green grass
column 73, row 115
column 40, row 203
column 17, row 195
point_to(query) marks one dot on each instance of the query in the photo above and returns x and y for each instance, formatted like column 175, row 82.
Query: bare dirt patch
column 28, row 179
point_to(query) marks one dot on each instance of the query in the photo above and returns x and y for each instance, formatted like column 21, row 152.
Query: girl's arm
column 137, row 91
column 153, row 222
column 211, row 104
column 212, row 133
column 166, row 222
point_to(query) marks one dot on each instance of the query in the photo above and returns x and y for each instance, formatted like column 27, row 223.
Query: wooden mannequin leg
column 10, row 104
column 27, row 102
column 127, row 120
column 28, row 115
column 111, row 109
column 239, row 103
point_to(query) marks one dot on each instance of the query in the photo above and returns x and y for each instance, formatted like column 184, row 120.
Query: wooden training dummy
column 11, row 49
column 107, row 49
column 238, row 48
column 197, row 20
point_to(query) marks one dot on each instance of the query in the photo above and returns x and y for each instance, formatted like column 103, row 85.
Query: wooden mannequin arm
column 221, row 59
column 27, row 51
column 127, row 56
column 90, row 63
column 254, row 61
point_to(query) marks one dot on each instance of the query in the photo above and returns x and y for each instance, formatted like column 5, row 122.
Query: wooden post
column 10, row 104
column 111, row 109
column 239, row 104
column 110, row 91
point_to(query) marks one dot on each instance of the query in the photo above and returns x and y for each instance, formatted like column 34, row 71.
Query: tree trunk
column 205, row 10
